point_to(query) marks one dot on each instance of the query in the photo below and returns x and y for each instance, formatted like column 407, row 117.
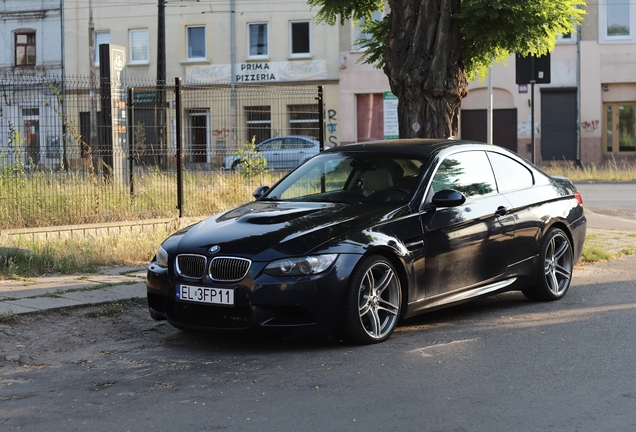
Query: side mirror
column 260, row 191
column 448, row 198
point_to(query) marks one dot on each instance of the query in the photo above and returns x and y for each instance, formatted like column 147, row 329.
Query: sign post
column 532, row 70
column 113, row 151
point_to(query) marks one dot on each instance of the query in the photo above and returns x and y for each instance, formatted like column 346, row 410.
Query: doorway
column 198, row 122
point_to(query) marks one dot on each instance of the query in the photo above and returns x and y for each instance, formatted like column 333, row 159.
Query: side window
column 510, row 174
column 299, row 38
column 25, row 49
column 138, row 40
column 195, row 41
column 467, row 172
column 258, row 40
column 100, row 39
column 271, row 145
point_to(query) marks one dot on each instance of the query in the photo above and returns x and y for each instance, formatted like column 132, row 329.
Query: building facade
column 260, row 43
column 32, row 47
column 598, row 67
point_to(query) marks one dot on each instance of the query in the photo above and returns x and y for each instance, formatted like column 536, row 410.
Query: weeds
column 611, row 170
column 9, row 318
column 30, row 258
column 113, row 310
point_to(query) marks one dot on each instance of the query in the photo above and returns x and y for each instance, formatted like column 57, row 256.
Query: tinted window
column 467, row 172
column 510, row 174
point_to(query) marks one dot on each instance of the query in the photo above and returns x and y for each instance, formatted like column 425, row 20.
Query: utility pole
column 63, row 79
column 93, row 141
column 161, row 79
column 233, row 75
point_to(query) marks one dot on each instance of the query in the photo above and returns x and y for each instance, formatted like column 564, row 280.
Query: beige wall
column 108, row 15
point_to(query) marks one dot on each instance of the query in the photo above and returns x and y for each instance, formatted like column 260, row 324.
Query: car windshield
column 352, row 178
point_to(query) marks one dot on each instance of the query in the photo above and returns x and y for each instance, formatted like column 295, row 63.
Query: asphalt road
column 609, row 196
column 497, row 364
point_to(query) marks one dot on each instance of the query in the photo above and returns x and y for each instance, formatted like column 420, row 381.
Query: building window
column 620, row 128
column 565, row 38
column 258, row 122
column 195, row 40
column 615, row 20
column 25, row 49
column 258, row 40
column 139, row 46
column 358, row 36
column 101, row 38
column 300, row 38
column 304, row 120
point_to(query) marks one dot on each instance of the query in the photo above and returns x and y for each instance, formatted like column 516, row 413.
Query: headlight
column 308, row 265
column 162, row 257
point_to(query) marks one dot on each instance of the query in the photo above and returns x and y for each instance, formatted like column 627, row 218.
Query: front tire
column 554, row 271
column 374, row 301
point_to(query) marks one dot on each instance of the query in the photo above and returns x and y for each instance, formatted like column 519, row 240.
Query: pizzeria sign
column 258, row 72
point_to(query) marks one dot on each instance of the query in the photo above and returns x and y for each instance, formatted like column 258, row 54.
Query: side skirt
column 458, row 296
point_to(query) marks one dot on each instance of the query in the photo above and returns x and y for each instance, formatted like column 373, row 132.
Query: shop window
column 620, row 128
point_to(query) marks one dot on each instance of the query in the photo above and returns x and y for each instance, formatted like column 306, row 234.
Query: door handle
column 501, row 211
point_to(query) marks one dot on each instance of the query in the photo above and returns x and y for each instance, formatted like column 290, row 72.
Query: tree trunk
column 424, row 66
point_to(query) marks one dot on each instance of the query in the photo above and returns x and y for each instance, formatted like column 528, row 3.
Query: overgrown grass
column 53, row 198
column 612, row 170
column 30, row 258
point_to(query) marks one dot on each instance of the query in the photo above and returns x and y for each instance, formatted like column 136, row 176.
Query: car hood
column 266, row 230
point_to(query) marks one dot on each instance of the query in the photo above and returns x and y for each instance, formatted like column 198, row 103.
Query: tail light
column 579, row 198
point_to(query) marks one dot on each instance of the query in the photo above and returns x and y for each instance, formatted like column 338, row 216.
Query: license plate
column 221, row 296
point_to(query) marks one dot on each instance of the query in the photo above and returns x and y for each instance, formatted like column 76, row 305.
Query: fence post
column 321, row 122
column 131, row 139
column 178, row 127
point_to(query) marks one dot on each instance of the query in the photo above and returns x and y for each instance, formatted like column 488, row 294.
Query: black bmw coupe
column 364, row 235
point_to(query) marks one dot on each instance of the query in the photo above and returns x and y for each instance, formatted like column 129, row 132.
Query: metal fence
column 76, row 151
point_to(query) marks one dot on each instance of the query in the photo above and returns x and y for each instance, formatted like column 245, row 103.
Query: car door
column 272, row 152
column 516, row 182
column 467, row 244
column 298, row 150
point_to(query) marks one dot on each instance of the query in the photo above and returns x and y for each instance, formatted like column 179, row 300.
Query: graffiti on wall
column 590, row 126
column 524, row 129
column 332, row 127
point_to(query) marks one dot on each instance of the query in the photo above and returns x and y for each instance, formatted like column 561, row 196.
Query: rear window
column 510, row 174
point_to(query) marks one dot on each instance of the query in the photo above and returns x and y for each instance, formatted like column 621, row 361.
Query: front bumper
column 299, row 305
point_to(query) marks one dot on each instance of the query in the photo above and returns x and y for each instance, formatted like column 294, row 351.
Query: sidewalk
column 68, row 291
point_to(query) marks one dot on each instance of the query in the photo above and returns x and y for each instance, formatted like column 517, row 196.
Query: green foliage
column 373, row 33
column 357, row 10
column 491, row 29
column 251, row 163
column 494, row 29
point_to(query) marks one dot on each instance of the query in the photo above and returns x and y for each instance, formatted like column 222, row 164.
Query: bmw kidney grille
column 221, row 269
column 225, row 269
column 191, row 266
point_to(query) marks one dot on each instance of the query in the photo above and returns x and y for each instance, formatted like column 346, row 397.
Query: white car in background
column 283, row 152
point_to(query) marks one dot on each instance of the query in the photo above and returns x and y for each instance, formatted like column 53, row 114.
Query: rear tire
column 554, row 270
column 374, row 301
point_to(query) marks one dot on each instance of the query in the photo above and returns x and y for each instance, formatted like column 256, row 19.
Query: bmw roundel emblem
column 214, row 249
